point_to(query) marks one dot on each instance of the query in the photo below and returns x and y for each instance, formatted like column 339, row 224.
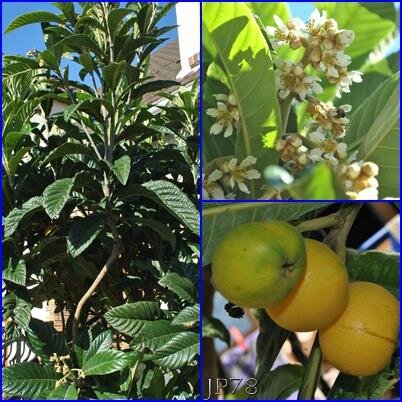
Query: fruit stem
column 318, row 223
column 312, row 374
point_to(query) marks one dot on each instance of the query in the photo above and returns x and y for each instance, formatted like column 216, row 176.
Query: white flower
column 345, row 37
column 369, row 193
column 226, row 115
column 211, row 189
column 346, row 80
column 328, row 149
column 238, row 174
column 316, row 21
column 331, row 59
column 282, row 33
column 291, row 78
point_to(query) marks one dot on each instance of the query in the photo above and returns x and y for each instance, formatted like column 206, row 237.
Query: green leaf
column 112, row 73
column 171, row 197
column 32, row 18
column 219, row 219
column 384, row 268
column 349, row 387
column 281, row 382
column 56, row 195
column 28, row 380
column 152, row 87
column 68, row 148
column 82, row 233
column 183, row 287
column 318, row 183
column 101, row 343
column 214, row 328
column 16, row 159
column 70, row 110
column 17, row 214
column 115, row 17
column 374, row 131
column 266, row 11
column 106, row 362
column 109, row 396
column 44, row 340
column 155, row 334
column 50, row 59
column 188, row 317
column 121, row 169
column 180, row 350
column 64, row 392
column 164, row 231
column 361, row 18
column 245, row 57
column 80, row 41
column 131, row 317
column 269, row 342
column 15, row 271
column 11, row 141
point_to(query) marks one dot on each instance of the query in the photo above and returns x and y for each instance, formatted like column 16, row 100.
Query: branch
column 318, row 223
column 110, row 261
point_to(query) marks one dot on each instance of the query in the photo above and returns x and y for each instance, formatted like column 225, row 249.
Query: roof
column 165, row 65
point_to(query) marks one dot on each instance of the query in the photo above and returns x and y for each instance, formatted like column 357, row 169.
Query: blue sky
column 30, row 36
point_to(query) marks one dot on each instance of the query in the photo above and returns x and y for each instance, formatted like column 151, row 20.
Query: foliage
column 94, row 176
column 241, row 59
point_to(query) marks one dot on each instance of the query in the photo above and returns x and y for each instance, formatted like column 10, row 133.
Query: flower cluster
column 226, row 114
column 61, row 366
column 291, row 78
column 230, row 176
column 325, row 44
column 359, row 180
column 60, row 363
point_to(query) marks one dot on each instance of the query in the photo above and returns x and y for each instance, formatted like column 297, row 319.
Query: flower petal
column 216, row 128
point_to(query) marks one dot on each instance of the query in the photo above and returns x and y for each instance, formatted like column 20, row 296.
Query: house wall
column 188, row 20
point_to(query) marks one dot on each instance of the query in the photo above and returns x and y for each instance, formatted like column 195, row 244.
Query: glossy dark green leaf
column 281, row 382
column 180, row 285
column 188, row 317
column 32, row 18
column 214, row 328
column 56, row 195
column 121, row 169
column 180, row 350
column 383, row 268
column 171, row 197
column 269, row 342
column 50, row 59
column 15, row 271
column 105, row 396
column 68, row 148
column 28, row 380
column 112, row 73
column 115, row 17
column 82, row 233
column 44, row 340
column 78, row 41
column 131, row 317
column 153, row 86
column 106, row 362
column 17, row 214
column 67, row 392
column 101, row 343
